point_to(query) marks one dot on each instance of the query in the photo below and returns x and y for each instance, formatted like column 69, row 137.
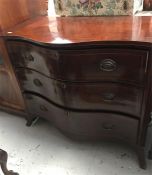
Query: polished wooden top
column 65, row 30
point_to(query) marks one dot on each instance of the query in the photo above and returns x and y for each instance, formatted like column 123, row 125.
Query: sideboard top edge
column 72, row 30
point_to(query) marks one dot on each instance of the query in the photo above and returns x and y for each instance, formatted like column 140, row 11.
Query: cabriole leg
column 31, row 121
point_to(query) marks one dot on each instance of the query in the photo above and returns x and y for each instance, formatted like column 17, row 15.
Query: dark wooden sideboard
column 89, row 76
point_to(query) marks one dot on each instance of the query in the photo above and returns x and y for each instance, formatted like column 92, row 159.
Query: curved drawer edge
column 84, row 125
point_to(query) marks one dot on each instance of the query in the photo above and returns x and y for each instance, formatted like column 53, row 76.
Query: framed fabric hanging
column 94, row 7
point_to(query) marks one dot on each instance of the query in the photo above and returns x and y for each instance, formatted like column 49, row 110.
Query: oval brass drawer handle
column 43, row 108
column 29, row 57
column 108, row 126
column 108, row 96
column 108, row 65
column 61, row 85
column 37, row 82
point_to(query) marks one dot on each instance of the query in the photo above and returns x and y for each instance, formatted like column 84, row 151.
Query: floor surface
column 43, row 150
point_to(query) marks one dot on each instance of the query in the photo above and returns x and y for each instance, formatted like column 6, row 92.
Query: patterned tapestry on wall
column 93, row 7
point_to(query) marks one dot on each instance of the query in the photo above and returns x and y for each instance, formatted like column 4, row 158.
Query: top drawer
column 117, row 65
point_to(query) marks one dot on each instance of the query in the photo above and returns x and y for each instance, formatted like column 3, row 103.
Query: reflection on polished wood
column 81, row 65
column 147, row 4
column 126, row 99
column 13, row 12
column 10, row 94
column 65, row 30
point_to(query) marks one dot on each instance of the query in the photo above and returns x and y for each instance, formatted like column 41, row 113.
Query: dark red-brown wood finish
column 84, row 96
column 148, row 5
column 10, row 95
column 90, row 77
column 85, row 64
column 68, row 30
column 87, row 125
column 13, row 12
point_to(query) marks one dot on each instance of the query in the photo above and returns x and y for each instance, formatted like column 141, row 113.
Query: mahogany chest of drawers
column 89, row 90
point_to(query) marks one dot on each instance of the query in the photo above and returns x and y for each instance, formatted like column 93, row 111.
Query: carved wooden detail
column 3, row 163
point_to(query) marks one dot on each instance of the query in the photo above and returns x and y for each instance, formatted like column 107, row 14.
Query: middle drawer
column 83, row 96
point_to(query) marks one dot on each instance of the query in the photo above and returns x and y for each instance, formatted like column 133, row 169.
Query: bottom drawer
column 90, row 125
column 105, row 125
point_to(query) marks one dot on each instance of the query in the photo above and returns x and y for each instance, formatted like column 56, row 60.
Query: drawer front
column 104, row 96
column 84, row 96
column 116, row 65
column 109, row 64
column 104, row 125
column 84, row 125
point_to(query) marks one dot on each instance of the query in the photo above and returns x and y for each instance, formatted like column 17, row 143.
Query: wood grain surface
column 66, row 30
